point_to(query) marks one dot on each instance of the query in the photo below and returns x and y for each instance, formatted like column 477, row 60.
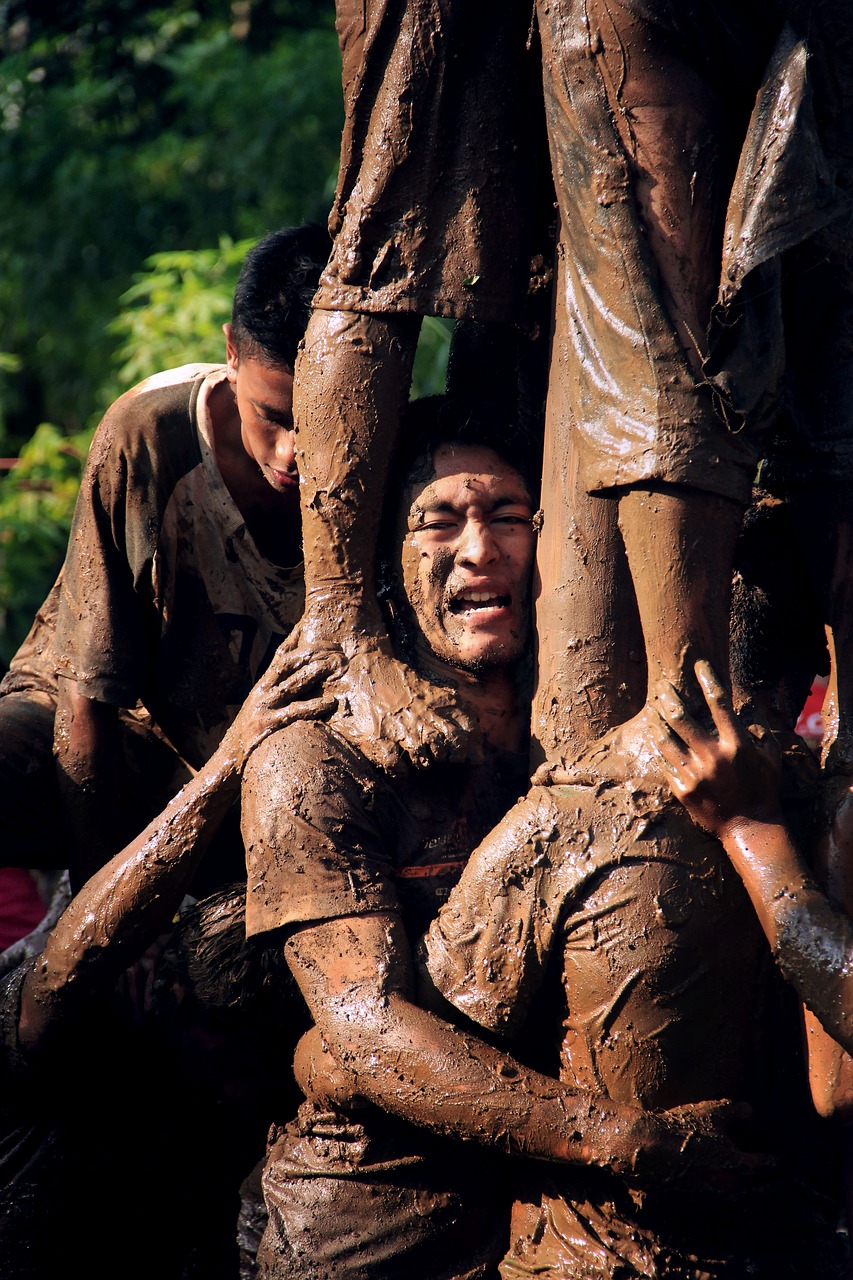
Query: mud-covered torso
column 329, row 834
column 165, row 599
column 664, row 971
column 669, row 994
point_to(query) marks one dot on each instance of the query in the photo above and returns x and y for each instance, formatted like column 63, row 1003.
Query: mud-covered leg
column 352, row 382
column 645, row 140
column 680, row 545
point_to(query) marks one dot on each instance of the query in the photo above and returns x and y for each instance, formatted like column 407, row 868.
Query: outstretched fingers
column 719, row 703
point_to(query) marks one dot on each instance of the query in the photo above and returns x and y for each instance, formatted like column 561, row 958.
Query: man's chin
column 486, row 658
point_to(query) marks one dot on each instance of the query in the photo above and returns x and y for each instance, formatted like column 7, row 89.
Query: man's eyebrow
column 514, row 500
column 452, row 509
column 445, row 508
column 270, row 410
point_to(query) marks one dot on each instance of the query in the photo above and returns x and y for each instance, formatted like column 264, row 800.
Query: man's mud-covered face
column 467, row 557
column 264, row 395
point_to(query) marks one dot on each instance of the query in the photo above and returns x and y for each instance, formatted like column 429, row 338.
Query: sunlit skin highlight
column 251, row 418
column 264, row 396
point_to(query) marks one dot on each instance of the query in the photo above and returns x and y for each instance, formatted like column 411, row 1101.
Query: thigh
column 433, row 202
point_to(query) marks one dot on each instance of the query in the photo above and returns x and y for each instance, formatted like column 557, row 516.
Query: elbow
column 834, row 1101
column 369, row 1039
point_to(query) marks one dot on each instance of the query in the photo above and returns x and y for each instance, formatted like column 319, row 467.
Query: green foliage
column 174, row 311
column 133, row 137
column 131, row 129
column 430, row 371
column 36, row 506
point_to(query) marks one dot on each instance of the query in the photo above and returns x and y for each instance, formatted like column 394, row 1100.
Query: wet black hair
column 777, row 640
column 272, row 301
column 432, row 421
column 210, row 957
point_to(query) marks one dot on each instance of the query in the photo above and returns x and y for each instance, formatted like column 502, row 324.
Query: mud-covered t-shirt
column 33, row 668
column 664, row 968
column 328, row 834
column 669, row 996
column 165, row 598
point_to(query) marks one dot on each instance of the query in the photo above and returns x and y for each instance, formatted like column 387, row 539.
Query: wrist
column 742, row 827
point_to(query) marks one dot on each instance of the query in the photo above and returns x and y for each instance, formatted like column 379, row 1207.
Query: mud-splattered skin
column 127, row 903
column 433, row 161
column 466, row 560
column 701, row 156
column 730, row 789
column 670, row 997
column 322, row 843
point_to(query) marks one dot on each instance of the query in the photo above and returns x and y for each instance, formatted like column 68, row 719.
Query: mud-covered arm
column 102, row 637
column 730, row 788
column 91, row 782
column 126, row 904
column 811, row 939
column 355, row 974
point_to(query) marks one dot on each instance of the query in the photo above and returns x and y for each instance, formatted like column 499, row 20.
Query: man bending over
column 183, row 573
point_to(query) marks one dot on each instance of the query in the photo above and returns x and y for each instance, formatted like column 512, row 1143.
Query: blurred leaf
column 36, row 505
column 430, row 371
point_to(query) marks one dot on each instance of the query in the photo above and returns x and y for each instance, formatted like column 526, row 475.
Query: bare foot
column 625, row 755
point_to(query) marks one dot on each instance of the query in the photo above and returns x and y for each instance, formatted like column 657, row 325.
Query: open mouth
column 471, row 600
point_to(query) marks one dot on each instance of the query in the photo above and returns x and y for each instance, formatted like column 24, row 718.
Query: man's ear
column 232, row 358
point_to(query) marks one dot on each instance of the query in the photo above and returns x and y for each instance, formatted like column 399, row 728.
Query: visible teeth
column 477, row 597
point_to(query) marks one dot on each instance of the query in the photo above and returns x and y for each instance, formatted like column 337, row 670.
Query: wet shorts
column 442, row 120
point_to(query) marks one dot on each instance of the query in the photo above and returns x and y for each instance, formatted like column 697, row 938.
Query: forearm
column 126, row 904
column 811, row 940
column 90, row 779
column 416, row 1066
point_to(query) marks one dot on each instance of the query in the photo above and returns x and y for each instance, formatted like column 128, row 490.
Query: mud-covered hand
column 292, row 688
column 720, row 775
column 393, row 715
column 701, row 1147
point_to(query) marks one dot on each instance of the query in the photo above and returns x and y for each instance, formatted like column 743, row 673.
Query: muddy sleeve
column 315, row 848
column 489, row 946
column 102, row 620
column 12, row 1058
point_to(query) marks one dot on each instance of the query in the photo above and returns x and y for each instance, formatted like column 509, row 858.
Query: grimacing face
column 467, row 557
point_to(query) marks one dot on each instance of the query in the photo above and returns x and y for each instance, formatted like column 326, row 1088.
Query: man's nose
column 285, row 451
column 478, row 545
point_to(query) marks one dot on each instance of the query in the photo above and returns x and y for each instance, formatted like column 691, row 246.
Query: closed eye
column 438, row 526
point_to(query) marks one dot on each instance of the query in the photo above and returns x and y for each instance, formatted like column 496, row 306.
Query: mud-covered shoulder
column 315, row 849
column 488, row 949
column 150, row 431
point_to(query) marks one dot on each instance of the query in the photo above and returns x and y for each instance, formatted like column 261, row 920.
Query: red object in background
column 810, row 723
column 21, row 907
